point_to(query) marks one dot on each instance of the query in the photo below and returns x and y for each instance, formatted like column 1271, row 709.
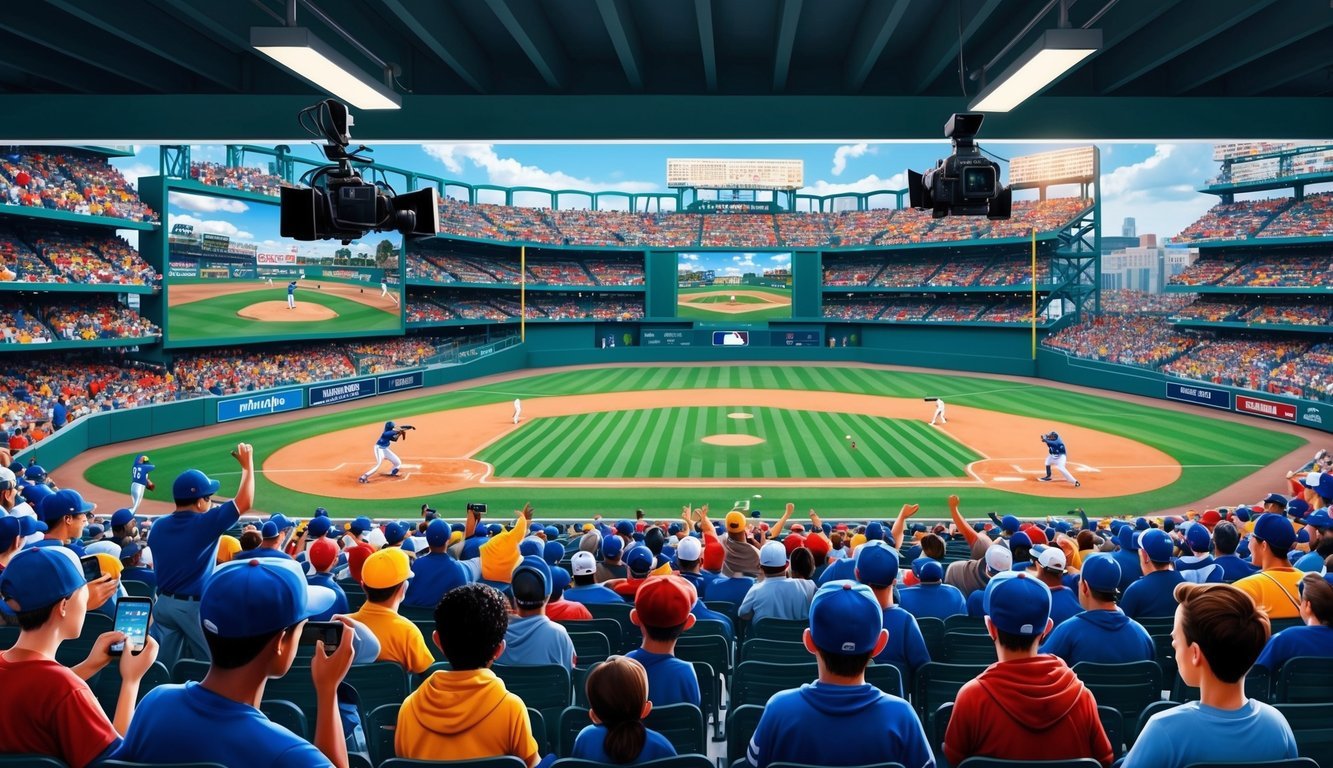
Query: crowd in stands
column 1042, row 215
column 244, row 178
column 558, row 273
column 71, row 180
column 853, row 308
column 1274, row 271
column 78, row 318
column 1212, row 310
column 1125, row 301
column 559, row 306
column 739, row 231
column 19, row 262
column 808, row 229
column 1013, row 270
column 906, row 309
column 1233, row 221
column 963, row 270
column 88, row 382
column 71, row 255
column 1290, row 314
column 20, row 326
column 1011, row 311
column 852, row 271
column 1238, row 361
column 1310, row 375
column 1311, row 217
column 907, row 273
column 939, row 310
column 1128, row 339
column 459, row 268
column 395, row 354
column 956, row 312
column 1208, row 271
column 228, row 371
column 940, row 271
column 420, row 310
column 615, row 272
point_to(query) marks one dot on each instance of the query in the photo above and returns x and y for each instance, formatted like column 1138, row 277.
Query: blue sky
column 1154, row 183
column 254, row 223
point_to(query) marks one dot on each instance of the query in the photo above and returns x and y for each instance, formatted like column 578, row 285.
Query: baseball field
column 748, row 303
column 221, row 309
column 847, row 441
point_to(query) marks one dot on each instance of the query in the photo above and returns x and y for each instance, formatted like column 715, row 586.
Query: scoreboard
column 706, row 337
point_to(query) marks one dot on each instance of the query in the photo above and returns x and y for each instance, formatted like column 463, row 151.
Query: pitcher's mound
column 277, row 312
column 733, row 440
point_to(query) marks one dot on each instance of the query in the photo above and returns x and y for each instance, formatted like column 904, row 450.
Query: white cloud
column 1160, row 192
column 864, row 184
column 689, row 256
column 212, row 227
column 508, row 172
column 133, row 171
column 207, row 203
column 841, row 155
column 781, row 258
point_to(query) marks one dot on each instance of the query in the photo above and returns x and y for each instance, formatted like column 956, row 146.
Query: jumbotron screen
column 737, row 287
column 231, row 277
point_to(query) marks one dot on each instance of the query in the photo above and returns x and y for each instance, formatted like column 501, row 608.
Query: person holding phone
column 66, row 515
column 185, row 545
column 57, row 713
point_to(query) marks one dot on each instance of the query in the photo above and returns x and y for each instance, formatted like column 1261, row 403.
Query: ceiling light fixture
column 312, row 59
column 1055, row 54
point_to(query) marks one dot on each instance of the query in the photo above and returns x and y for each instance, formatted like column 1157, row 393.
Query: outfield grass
column 216, row 318
column 665, row 443
column 722, row 298
column 699, row 311
column 1214, row 453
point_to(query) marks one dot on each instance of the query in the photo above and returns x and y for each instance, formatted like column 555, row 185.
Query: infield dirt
column 369, row 295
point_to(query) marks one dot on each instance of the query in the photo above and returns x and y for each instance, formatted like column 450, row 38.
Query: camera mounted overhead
column 337, row 203
column 964, row 183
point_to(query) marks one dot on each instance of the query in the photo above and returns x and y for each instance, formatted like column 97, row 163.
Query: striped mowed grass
column 668, row 443
column 215, row 317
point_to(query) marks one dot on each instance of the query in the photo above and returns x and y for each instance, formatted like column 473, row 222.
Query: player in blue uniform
column 139, row 481
column 390, row 435
column 291, row 295
column 1056, row 455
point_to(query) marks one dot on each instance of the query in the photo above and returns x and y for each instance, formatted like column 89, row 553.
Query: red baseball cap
column 665, row 601
column 356, row 557
column 714, row 555
column 818, row 545
column 792, row 542
column 1210, row 518
column 323, row 553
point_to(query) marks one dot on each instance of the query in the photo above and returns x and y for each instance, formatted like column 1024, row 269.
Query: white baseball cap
column 583, row 564
column 689, row 549
column 999, row 558
column 1052, row 559
column 773, row 555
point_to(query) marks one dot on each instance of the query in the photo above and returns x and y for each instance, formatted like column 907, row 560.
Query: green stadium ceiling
column 183, row 70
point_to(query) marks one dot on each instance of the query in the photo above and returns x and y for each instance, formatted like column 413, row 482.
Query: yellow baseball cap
column 110, row 564
column 386, row 568
column 228, row 546
column 858, row 540
column 735, row 521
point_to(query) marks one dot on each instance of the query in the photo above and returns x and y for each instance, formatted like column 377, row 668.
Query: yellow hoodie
column 499, row 555
column 464, row 716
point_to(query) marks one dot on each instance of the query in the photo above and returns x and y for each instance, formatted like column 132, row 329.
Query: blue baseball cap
column 128, row 551
column 559, row 581
column 247, row 598
column 1319, row 519
column 530, row 547
column 1101, row 573
column 551, row 531
column 35, row 473
column 318, row 528
column 394, row 533
column 625, row 528
column 1157, row 544
column 12, row 526
column 1274, row 530
column 876, row 564
column 93, row 532
column 1302, row 537
column 1127, row 540
column 281, row 521
column 66, row 502
column 874, row 532
column 495, row 529
column 1197, row 538
column 1009, row 524
column 269, row 530
column 321, row 512
column 553, row 552
column 193, row 484
column 845, row 618
column 930, row 571
column 1319, row 482
column 612, row 546
column 532, row 578
column 1275, row 498
column 1020, row 539
column 35, row 495
column 40, row 576
column 640, row 561
column 919, row 562
column 536, row 529
column 437, row 533
column 1017, row 603
column 1297, row 508
column 121, row 517
column 361, row 525
column 1141, row 524
column 674, row 528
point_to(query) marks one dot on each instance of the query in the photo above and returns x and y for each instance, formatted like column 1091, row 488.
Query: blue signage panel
column 341, row 392
column 259, row 404
column 1199, row 395
column 731, row 338
column 396, row 382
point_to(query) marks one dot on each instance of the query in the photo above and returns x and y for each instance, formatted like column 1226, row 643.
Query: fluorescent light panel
column 1054, row 54
column 314, row 61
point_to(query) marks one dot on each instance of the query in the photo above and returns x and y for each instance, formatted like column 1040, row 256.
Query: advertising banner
column 1266, row 408
column 397, row 382
column 340, row 392
column 1199, row 395
column 245, row 406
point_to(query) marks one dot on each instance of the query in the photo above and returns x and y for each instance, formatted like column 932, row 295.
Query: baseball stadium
column 458, row 461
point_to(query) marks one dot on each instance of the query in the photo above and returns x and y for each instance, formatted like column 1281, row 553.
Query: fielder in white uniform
column 518, row 410
column 384, row 291
column 939, row 412
column 382, row 451
column 1055, row 457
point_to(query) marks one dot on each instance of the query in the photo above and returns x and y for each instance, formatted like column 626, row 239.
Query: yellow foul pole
column 523, row 294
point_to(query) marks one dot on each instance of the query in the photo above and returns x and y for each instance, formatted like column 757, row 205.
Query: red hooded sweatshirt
column 1026, row 709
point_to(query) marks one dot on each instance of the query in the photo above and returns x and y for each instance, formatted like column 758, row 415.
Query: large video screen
column 736, row 287
column 231, row 276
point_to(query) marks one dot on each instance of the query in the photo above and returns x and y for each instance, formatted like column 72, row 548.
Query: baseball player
column 1056, row 455
column 518, row 410
column 939, row 412
column 291, row 295
column 391, row 434
column 384, row 291
column 139, row 481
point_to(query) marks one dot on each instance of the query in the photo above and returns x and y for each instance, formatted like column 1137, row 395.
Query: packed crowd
column 739, row 231
column 1311, row 217
column 853, row 308
column 1309, row 376
column 1233, row 221
column 912, row 271
column 384, row 355
column 244, row 178
column 1208, row 271
column 1212, row 310
column 615, row 271
column 228, row 371
column 960, row 271
column 1128, row 339
column 18, row 262
column 1238, row 361
column 65, row 179
column 76, row 318
column 89, row 256
column 908, row 272
column 1124, row 301
column 558, row 273
column 89, row 383
column 458, row 268
column 1013, row 270
column 21, row 326
column 563, row 306
column 1272, row 271
column 421, row 310
column 1011, row 311
column 956, row 311
column 942, row 310
column 906, row 309
column 852, row 271
column 1062, row 614
column 1320, row 313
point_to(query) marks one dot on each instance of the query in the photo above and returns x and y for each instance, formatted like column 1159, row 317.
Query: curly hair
column 471, row 621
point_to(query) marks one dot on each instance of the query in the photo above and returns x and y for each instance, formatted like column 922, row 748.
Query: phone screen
column 92, row 570
column 132, row 618
column 331, row 632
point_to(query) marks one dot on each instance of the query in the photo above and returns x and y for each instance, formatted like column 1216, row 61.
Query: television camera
column 964, row 183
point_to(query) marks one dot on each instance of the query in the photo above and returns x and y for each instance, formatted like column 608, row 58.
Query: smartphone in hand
column 331, row 632
column 132, row 617
column 92, row 569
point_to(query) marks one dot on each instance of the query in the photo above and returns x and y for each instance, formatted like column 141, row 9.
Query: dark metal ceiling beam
column 524, row 21
column 213, row 18
column 703, row 13
column 873, row 32
column 1310, row 55
column 50, row 66
column 789, row 14
column 128, row 20
column 624, row 34
column 437, row 27
column 1179, row 30
column 939, row 48
column 1248, row 42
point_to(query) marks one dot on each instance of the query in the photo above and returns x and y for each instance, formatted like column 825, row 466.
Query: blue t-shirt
column 702, row 612
column 730, row 590
column 593, row 594
column 432, row 576
column 1101, row 636
column 261, row 552
column 933, row 600
column 74, row 546
column 591, row 743
column 535, row 640
column 1152, row 595
column 700, row 581
column 189, row 723
column 1196, row 733
column 976, row 605
column 1310, row 562
column 1130, row 568
column 1234, row 568
column 800, row 726
column 1296, row 641
column 139, row 473
column 1054, row 447
column 185, row 547
column 340, row 605
column 906, row 648
column 1064, row 605
column 777, row 597
column 58, row 415
column 838, row 570
column 141, row 575
column 670, row 680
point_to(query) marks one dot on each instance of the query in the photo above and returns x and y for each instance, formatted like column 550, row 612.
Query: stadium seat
column 1295, row 762
column 106, row 684
column 609, row 627
column 968, row 648
column 1158, row 625
column 1304, row 680
column 711, row 649
column 791, row 630
column 189, row 671
column 590, row 647
column 72, row 652
column 710, row 695
column 630, row 636
column 138, row 589
column 503, row 761
column 942, row 716
column 1127, row 688
column 1277, row 625
column 803, row 765
column 704, row 627
column 545, row 688
column 1113, row 723
column 415, row 614
column 775, row 651
column 579, row 680
column 886, row 677
column 932, row 631
column 937, row 683
column 8, row 636
column 381, row 728
column 726, row 608
column 742, row 721
column 971, row 624
column 572, row 721
column 755, row 682
column 683, row 725
column 1313, row 726
column 382, row 682
column 540, row 731
column 427, row 633
column 679, row 761
column 358, row 760
column 288, row 715
column 992, row 762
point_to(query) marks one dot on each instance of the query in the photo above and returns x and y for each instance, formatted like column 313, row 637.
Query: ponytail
column 617, row 691
column 624, row 741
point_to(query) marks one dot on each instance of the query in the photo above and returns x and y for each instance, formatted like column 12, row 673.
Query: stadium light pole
column 315, row 61
column 1051, row 57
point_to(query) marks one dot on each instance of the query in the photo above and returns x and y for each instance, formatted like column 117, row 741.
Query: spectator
column 1197, row 566
column 586, row 590
column 384, row 576
column 846, row 630
column 252, row 613
column 1275, row 589
column 1321, row 542
column 618, row 694
column 271, row 540
column 1057, row 718
column 1050, row 569
column 436, row 572
column 1102, row 633
column 662, row 611
column 1315, row 637
column 56, row 714
column 1154, row 594
column 689, row 558
column 876, row 566
column 932, row 597
column 532, row 638
column 465, row 713
column 973, row 575
column 1126, row 556
column 776, row 596
column 558, row 608
column 13, row 530
column 131, row 557
column 1226, row 539
column 1218, row 634
column 640, row 563
column 611, row 567
column 742, row 554
column 323, row 556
